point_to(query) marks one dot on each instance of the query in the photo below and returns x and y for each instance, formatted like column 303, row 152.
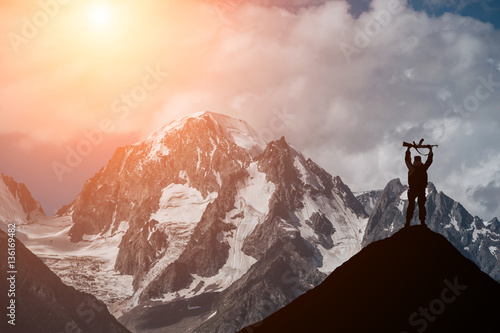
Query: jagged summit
column 203, row 203
column 494, row 225
column 199, row 151
column 235, row 130
column 17, row 203
column 413, row 281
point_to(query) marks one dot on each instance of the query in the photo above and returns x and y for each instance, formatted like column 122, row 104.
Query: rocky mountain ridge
column 476, row 239
column 368, row 199
column 206, row 216
column 205, row 204
column 17, row 203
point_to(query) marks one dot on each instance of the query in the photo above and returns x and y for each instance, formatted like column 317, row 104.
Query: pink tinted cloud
column 29, row 161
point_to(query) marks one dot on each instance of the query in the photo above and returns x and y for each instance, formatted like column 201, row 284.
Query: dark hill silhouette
column 44, row 304
column 413, row 281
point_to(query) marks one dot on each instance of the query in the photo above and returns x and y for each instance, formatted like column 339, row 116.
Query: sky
column 344, row 81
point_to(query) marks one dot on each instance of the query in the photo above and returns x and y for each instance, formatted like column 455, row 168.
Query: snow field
column 252, row 205
column 87, row 265
column 180, row 209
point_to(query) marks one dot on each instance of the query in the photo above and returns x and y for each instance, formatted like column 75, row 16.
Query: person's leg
column 411, row 207
column 421, row 207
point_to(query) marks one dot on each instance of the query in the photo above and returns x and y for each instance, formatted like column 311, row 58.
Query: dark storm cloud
column 487, row 196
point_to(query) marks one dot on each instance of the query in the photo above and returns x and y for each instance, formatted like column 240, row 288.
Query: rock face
column 46, row 305
column 312, row 216
column 476, row 239
column 413, row 281
column 368, row 199
column 211, row 209
column 17, row 203
column 198, row 150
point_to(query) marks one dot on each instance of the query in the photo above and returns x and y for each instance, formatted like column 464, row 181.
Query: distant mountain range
column 476, row 239
column 204, row 221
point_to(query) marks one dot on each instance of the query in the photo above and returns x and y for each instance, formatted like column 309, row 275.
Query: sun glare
column 100, row 29
column 100, row 16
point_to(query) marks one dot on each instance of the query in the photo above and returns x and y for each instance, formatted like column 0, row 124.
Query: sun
column 100, row 16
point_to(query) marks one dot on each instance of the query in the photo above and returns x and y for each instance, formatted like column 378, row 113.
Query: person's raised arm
column 408, row 158
column 429, row 158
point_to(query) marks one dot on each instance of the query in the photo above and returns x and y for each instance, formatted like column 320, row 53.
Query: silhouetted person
column 417, row 179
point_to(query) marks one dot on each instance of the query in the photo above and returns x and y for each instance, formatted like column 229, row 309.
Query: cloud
column 457, row 5
column 29, row 161
column 346, row 90
column 411, row 76
column 487, row 196
column 288, row 4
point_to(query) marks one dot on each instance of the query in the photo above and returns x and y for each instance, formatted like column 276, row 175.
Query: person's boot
column 423, row 223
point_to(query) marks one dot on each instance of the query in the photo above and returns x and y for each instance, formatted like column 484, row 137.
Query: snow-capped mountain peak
column 17, row 203
column 202, row 204
column 237, row 131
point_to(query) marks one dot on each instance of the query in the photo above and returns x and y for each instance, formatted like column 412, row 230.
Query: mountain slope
column 368, row 199
column 413, row 281
column 310, row 224
column 312, row 227
column 476, row 239
column 44, row 304
column 122, row 189
column 17, row 203
column 204, row 204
